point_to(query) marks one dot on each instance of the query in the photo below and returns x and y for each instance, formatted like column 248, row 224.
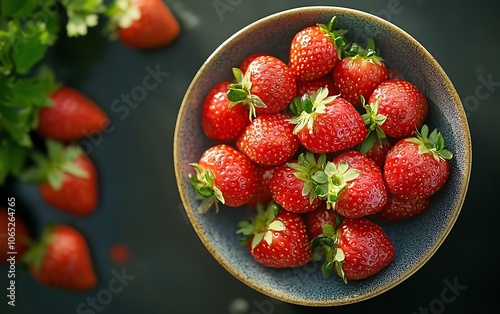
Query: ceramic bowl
column 415, row 240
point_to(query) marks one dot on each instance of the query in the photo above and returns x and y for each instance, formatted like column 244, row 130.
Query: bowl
column 415, row 240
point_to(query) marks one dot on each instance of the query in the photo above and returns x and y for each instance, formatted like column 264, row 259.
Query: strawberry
column 315, row 220
column 224, row 174
column 276, row 238
column 143, row 24
column 417, row 167
column 263, row 194
column 268, row 140
column 266, row 87
column 352, row 184
column 314, row 50
column 327, row 124
column 71, row 117
column 359, row 72
column 220, row 121
column 67, row 178
column 61, row 258
column 399, row 209
column 12, row 226
column 401, row 108
column 292, row 186
column 354, row 249
column 312, row 86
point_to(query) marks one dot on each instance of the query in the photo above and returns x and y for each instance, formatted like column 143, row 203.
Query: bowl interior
column 415, row 240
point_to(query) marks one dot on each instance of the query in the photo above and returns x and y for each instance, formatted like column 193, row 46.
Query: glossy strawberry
column 12, row 227
column 267, row 86
column 353, row 185
column 224, row 174
column 402, row 108
column 327, row 124
column 417, row 167
column 146, row 24
column 314, row 50
column 399, row 209
column 359, row 72
column 71, row 117
column 268, row 140
column 312, row 86
column 315, row 220
column 292, row 186
column 276, row 238
column 220, row 121
column 61, row 258
column 355, row 249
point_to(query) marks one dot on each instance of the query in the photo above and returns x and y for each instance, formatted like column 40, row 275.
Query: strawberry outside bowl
column 415, row 240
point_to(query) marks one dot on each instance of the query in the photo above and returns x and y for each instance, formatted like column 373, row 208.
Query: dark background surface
column 172, row 271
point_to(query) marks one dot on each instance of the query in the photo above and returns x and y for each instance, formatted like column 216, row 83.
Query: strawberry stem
column 240, row 92
column 306, row 166
column 262, row 226
column 431, row 143
column 332, row 181
column 203, row 183
column 325, row 245
column 308, row 108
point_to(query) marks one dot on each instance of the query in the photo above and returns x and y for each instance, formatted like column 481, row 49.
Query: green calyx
column 308, row 107
column 203, row 183
column 262, row 227
column 335, row 35
column 431, row 143
column 373, row 120
column 305, row 167
column 325, row 248
column 52, row 166
column 368, row 53
column 240, row 92
column 37, row 248
column 332, row 180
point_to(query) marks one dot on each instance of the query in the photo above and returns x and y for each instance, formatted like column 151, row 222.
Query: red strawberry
column 268, row 140
column 399, row 209
column 276, row 239
column 78, row 192
column 417, row 167
column 145, row 24
column 267, row 86
column 358, row 73
column 312, row 86
column 61, row 258
column 314, row 50
column 220, row 121
column 292, row 185
column 67, row 178
column 72, row 116
column 263, row 194
column 12, row 227
column 356, row 250
column 317, row 218
column 402, row 108
column 353, row 185
column 327, row 124
column 224, row 174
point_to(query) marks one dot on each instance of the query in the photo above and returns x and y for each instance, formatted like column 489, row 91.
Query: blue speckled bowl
column 415, row 240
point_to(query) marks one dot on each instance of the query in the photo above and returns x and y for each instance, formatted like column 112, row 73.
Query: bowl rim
column 178, row 163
